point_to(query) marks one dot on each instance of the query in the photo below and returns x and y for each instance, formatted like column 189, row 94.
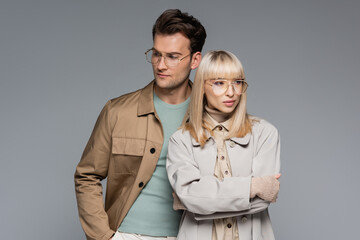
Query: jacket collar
column 146, row 99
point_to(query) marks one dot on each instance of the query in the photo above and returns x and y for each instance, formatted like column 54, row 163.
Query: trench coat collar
column 241, row 141
column 213, row 124
column 146, row 99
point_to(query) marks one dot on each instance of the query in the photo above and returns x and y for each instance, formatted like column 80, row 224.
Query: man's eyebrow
column 172, row 53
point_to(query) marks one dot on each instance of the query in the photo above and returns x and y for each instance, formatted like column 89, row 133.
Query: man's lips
column 162, row 75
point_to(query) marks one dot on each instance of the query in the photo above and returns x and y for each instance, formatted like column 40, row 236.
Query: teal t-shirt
column 152, row 213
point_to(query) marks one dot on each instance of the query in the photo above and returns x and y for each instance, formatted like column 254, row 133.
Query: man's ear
column 195, row 60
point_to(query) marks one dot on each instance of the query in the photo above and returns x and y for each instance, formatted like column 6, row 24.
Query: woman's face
column 225, row 102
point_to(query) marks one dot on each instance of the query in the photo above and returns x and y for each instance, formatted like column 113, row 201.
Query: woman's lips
column 229, row 103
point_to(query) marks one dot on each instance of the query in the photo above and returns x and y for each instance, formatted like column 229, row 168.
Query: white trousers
column 134, row 236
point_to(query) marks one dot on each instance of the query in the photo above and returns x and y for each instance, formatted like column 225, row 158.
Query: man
column 129, row 142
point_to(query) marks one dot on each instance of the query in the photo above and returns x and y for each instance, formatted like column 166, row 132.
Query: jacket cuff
column 108, row 235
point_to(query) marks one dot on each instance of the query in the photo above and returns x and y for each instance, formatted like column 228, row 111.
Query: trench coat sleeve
column 257, row 205
column 267, row 151
column 203, row 194
column 92, row 168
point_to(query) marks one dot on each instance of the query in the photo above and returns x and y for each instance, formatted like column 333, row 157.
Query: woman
column 223, row 164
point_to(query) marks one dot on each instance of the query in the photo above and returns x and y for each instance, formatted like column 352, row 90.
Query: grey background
column 60, row 61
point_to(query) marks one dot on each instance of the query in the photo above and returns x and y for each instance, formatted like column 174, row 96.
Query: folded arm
column 203, row 194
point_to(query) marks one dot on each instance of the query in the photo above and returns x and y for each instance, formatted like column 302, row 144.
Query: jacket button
column 243, row 219
column 152, row 150
column 141, row 184
column 229, row 225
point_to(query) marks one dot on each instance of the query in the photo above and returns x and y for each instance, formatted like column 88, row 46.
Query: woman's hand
column 266, row 188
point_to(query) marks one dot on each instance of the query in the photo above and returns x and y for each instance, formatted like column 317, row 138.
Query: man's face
column 175, row 45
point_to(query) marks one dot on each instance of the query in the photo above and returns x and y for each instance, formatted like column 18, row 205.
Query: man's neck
column 175, row 95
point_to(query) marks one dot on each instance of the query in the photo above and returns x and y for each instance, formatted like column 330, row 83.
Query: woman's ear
column 195, row 60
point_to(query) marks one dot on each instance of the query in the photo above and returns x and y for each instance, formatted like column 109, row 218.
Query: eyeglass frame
column 228, row 84
column 165, row 57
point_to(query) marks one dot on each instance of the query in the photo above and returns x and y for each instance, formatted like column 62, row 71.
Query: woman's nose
column 230, row 90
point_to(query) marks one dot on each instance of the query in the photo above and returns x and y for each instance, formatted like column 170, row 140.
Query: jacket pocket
column 127, row 154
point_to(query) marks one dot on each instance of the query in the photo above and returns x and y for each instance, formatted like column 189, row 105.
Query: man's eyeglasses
column 171, row 60
column 220, row 85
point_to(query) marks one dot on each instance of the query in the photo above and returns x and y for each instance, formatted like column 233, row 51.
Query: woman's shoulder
column 260, row 125
column 181, row 135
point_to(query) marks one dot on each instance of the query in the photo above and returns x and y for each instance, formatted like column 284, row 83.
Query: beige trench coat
column 124, row 147
column 191, row 174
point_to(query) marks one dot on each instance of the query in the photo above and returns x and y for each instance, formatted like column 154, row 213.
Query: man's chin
column 163, row 83
column 168, row 84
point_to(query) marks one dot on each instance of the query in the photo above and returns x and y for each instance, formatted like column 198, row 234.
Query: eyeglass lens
column 221, row 86
column 154, row 57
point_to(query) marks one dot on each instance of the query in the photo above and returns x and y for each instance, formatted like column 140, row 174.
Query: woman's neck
column 218, row 115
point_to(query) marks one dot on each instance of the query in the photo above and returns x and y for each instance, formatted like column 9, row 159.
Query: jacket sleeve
column 203, row 194
column 92, row 168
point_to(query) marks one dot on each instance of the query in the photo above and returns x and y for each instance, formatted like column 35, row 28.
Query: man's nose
column 161, row 64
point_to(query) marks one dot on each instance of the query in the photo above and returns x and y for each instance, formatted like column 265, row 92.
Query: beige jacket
column 124, row 147
column 191, row 173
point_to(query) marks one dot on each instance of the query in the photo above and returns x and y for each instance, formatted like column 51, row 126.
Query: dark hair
column 174, row 21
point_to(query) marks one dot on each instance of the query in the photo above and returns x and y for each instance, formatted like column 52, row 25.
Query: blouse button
column 243, row 219
column 229, row 225
column 222, row 157
column 232, row 144
column 220, row 128
column 226, row 172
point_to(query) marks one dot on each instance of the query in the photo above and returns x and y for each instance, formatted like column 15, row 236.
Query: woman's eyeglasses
column 220, row 85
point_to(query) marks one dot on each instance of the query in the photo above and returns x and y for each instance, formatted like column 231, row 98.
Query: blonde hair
column 216, row 64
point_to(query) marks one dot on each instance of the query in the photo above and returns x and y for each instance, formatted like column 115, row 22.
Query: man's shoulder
column 126, row 98
column 131, row 100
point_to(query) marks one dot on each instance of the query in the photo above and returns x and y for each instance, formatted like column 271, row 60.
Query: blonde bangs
column 225, row 66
